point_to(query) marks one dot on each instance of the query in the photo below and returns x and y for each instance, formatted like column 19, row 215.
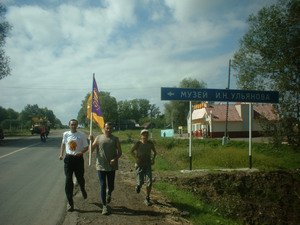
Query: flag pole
column 91, row 127
column 91, row 123
column 95, row 112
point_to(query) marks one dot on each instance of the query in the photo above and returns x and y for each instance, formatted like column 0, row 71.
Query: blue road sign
column 218, row 95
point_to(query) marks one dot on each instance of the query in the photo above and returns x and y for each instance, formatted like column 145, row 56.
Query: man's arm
column 119, row 153
column 85, row 149
column 119, row 149
column 133, row 149
column 154, row 154
column 94, row 142
column 62, row 149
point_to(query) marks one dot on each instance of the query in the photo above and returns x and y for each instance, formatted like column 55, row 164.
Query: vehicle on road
column 35, row 129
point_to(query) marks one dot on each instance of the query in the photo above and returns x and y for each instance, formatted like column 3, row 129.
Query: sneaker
column 104, row 210
column 147, row 201
column 108, row 199
column 70, row 208
column 84, row 194
column 138, row 189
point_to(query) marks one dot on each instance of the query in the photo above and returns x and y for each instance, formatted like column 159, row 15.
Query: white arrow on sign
column 170, row 93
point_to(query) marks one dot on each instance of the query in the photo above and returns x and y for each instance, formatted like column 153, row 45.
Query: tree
column 12, row 114
column 120, row 112
column 11, row 120
column 109, row 107
column 29, row 112
column 144, row 106
column 82, row 114
column 269, row 59
column 4, row 29
column 152, row 116
column 33, row 113
column 47, row 113
column 125, row 112
column 136, row 109
column 3, row 114
column 176, row 112
column 57, row 123
column 139, row 110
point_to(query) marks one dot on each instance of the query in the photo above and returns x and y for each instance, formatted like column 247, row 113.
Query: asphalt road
column 31, row 181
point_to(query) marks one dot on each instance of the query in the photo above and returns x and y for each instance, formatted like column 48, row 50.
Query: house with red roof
column 210, row 120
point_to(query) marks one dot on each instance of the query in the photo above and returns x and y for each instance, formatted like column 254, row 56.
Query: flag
column 89, row 107
column 93, row 106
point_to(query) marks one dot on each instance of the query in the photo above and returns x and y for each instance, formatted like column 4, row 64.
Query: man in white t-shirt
column 75, row 144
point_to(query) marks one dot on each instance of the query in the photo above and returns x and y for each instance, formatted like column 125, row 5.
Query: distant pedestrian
column 75, row 144
column 43, row 133
column 47, row 131
column 108, row 152
column 144, row 153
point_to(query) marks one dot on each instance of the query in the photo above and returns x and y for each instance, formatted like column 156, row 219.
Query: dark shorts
column 144, row 175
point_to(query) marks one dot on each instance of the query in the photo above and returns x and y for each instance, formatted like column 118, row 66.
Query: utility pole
column 226, row 136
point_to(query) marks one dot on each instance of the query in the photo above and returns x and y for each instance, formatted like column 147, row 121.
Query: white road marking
column 21, row 149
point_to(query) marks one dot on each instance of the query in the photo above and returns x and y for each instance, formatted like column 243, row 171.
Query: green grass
column 8, row 133
column 173, row 154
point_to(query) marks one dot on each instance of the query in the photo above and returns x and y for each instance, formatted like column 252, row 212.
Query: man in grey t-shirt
column 108, row 151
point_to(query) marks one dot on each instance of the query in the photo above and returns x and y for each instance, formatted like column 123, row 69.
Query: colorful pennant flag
column 93, row 106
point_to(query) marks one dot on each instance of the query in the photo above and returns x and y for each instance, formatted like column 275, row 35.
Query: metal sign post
column 250, row 135
column 190, row 138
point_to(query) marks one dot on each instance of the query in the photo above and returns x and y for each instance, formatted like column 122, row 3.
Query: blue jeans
column 107, row 181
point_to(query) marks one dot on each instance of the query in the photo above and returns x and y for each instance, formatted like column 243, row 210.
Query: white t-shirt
column 75, row 142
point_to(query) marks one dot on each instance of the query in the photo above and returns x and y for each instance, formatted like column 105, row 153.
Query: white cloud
column 134, row 48
column 184, row 11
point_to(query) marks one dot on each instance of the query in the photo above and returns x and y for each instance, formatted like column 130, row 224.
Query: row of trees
column 122, row 112
column 12, row 120
column 8, row 118
column 141, row 111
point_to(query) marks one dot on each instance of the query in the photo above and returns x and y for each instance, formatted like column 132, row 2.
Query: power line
column 72, row 89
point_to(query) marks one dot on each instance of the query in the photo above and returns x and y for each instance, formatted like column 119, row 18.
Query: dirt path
column 126, row 207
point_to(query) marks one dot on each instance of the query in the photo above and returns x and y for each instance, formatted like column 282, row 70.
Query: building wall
column 235, row 134
column 212, row 128
column 236, row 129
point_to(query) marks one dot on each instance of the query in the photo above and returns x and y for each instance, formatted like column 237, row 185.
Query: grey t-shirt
column 106, row 151
column 143, row 152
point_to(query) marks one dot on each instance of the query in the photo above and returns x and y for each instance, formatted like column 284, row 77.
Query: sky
column 134, row 47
